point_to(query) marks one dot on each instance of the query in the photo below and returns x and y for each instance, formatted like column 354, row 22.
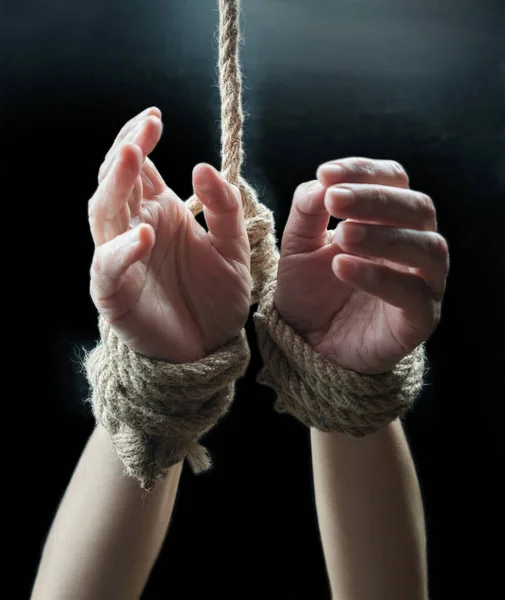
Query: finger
column 425, row 251
column 130, row 126
column 106, row 217
column 405, row 291
column 363, row 170
column 152, row 181
column 223, row 213
column 135, row 198
column 308, row 220
column 132, row 123
column 110, row 266
column 381, row 205
column 146, row 135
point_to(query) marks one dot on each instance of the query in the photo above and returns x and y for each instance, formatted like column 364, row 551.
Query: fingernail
column 341, row 196
column 332, row 172
column 314, row 186
column 218, row 173
column 354, row 233
column 349, row 267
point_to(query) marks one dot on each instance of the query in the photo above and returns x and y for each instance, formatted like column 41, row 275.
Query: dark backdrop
column 419, row 81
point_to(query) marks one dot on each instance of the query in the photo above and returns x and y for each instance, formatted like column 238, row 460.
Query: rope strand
column 232, row 115
column 230, row 87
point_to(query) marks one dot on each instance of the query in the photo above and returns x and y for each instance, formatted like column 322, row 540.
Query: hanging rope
column 230, row 88
column 259, row 219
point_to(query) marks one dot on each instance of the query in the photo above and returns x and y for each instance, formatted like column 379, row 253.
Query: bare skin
column 169, row 289
column 175, row 292
column 365, row 303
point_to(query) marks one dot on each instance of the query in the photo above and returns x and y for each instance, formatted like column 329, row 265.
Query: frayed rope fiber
column 321, row 394
column 156, row 412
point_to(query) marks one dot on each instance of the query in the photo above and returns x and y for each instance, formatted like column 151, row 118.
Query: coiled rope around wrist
column 156, row 411
column 321, row 394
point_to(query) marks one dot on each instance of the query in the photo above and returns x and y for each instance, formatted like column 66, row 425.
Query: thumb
column 306, row 227
column 111, row 262
column 222, row 208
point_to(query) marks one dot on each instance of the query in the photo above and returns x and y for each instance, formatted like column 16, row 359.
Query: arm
column 365, row 296
column 370, row 515
column 107, row 532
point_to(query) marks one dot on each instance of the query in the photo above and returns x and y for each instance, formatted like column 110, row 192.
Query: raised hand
column 168, row 288
column 368, row 293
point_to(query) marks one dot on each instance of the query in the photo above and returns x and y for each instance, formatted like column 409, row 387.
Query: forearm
column 107, row 531
column 370, row 515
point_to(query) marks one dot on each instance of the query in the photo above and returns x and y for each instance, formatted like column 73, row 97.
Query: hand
column 169, row 289
column 363, row 303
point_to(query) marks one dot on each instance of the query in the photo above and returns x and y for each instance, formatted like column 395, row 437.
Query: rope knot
column 260, row 226
column 156, row 411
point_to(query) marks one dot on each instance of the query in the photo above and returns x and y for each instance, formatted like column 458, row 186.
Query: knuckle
column 96, row 264
column 427, row 207
column 399, row 172
column 363, row 167
column 394, row 240
column 380, row 195
column 302, row 189
column 438, row 249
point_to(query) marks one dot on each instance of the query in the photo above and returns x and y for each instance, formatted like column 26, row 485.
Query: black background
column 418, row 81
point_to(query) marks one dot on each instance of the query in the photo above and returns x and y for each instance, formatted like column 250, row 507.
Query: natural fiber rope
column 259, row 219
column 323, row 395
column 156, row 412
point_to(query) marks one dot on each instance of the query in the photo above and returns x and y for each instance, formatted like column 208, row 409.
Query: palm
column 348, row 326
column 174, row 294
column 184, row 298
column 370, row 292
column 169, row 289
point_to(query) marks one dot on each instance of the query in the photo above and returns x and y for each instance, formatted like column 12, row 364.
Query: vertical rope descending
column 232, row 115
column 259, row 219
column 230, row 87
